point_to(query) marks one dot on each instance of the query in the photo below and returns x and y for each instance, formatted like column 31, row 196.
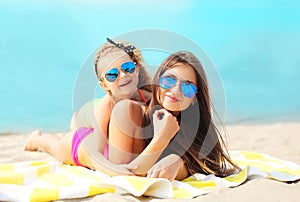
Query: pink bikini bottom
column 78, row 136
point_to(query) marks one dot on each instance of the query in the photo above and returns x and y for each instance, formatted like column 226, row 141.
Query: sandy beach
column 281, row 140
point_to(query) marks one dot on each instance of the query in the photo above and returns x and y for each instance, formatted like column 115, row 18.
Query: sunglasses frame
column 119, row 69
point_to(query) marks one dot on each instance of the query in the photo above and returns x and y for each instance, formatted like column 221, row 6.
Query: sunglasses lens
column 167, row 82
column 128, row 67
column 112, row 74
column 188, row 89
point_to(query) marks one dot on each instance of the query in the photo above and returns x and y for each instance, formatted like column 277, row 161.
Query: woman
column 177, row 123
column 121, row 72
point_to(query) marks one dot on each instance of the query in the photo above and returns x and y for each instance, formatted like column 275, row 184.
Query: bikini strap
column 142, row 96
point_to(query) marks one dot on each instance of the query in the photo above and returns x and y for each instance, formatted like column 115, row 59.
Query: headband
column 128, row 49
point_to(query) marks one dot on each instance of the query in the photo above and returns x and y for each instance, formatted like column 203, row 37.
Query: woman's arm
column 170, row 167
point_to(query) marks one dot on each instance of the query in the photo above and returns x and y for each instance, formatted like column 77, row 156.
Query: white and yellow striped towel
column 46, row 181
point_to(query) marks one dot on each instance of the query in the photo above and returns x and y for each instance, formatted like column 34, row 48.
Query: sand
column 281, row 140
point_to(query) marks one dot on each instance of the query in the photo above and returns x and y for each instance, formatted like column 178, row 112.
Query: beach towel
column 46, row 181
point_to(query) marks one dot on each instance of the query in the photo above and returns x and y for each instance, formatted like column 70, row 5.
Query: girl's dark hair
column 198, row 142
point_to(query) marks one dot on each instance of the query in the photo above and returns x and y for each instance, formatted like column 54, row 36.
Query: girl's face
column 178, row 87
column 118, row 74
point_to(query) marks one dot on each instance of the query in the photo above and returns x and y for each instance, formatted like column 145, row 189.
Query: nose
column 121, row 74
column 176, row 89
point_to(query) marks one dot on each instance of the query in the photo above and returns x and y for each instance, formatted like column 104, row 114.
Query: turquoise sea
column 255, row 46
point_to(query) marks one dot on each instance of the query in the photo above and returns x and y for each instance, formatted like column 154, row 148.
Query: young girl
column 177, row 123
column 122, row 74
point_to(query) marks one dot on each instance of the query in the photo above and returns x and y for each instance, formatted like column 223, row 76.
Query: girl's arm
column 95, row 114
column 125, row 122
column 102, row 164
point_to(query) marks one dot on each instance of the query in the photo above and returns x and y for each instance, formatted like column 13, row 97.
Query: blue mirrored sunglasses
column 112, row 74
column 188, row 89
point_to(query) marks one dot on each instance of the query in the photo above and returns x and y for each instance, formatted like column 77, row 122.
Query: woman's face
column 121, row 85
column 181, row 76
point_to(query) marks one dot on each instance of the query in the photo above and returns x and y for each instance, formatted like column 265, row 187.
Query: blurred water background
column 255, row 46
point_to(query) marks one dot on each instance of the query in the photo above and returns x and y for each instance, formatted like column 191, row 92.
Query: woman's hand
column 165, row 125
column 167, row 167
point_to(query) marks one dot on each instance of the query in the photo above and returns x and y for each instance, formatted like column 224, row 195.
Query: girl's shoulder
column 102, row 110
column 147, row 95
column 104, row 101
column 95, row 104
column 96, row 109
column 129, row 105
column 126, row 111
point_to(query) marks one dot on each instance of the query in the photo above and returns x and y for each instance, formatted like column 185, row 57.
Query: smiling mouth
column 172, row 98
column 124, row 84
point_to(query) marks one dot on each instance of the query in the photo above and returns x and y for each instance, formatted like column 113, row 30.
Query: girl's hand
column 167, row 167
column 121, row 169
column 110, row 168
column 165, row 124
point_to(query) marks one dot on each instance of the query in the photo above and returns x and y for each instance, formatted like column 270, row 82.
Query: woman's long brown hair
column 198, row 142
